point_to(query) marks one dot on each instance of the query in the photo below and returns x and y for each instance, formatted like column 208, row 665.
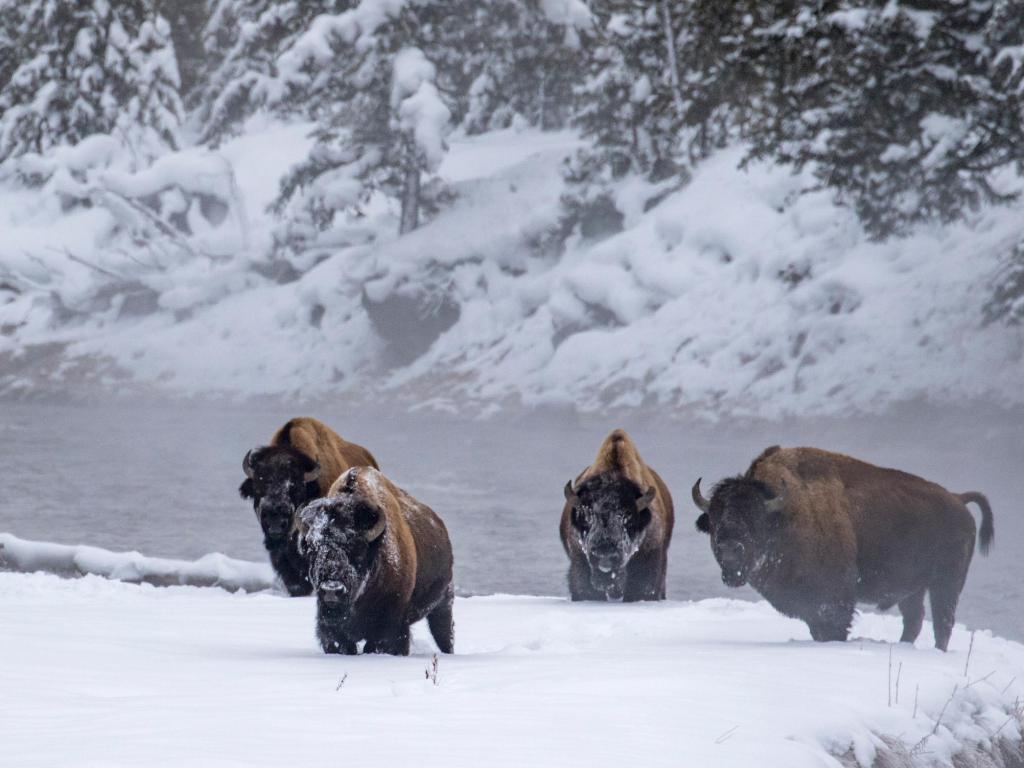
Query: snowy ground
column 101, row 673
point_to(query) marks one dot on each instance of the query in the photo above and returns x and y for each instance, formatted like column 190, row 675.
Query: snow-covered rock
column 96, row 672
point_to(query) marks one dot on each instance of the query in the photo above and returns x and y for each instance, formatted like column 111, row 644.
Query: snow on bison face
column 610, row 515
column 740, row 519
column 279, row 480
column 340, row 539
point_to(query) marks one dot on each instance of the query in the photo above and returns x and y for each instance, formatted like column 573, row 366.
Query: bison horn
column 313, row 474
column 375, row 532
column 247, row 465
column 570, row 494
column 698, row 498
column 645, row 501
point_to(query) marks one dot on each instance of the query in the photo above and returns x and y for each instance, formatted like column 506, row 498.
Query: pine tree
column 896, row 108
column 512, row 60
column 243, row 40
column 89, row 67
column 381, row 120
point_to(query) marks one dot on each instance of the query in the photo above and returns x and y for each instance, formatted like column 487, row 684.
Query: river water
column 163, row 480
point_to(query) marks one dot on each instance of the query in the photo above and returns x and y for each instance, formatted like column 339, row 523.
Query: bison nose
column 276, row 526
column 332, row 591
column 606, row 565
column 730, row 553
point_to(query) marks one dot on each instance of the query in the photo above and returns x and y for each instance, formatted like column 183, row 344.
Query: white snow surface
column 211, row 570
column 105, row 673
column 734, row 296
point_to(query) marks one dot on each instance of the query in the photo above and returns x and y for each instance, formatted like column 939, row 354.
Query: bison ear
column 245, row 490
column 704, row 524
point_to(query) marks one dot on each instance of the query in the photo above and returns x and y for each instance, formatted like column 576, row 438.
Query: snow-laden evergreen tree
column 515, row 60
column 243, row 40
column 900, row 108
column 91, row 67
column 632, row 105
column 188, row 19
column 10, row 18
column 381, row 118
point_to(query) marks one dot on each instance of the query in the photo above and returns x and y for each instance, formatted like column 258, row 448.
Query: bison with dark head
column 817, row 532
column 616, row 526
column 301, row 462
column 379, row 561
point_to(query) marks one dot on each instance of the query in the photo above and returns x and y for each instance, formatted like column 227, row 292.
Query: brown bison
column 379, row 561
column 301, row 462
column 816, row 532
column 616, row 526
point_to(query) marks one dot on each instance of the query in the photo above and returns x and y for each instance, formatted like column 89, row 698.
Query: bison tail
column 987, row 532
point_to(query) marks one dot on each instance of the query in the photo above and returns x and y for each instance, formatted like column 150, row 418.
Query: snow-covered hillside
column 734, row 295
column 105, row 673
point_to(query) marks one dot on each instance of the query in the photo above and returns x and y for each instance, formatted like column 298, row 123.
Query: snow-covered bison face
column 740, row 519
column 279, row 480
column 610, row 515
column 341, row 537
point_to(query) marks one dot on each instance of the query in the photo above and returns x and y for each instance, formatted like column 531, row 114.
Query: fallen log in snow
column 212, row 570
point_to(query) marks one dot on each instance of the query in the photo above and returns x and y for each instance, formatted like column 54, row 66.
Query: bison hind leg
column 442, row 624
column 912, row 608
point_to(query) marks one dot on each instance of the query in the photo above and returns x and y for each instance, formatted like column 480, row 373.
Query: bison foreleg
column 580, row 587
column 396, row 644
column 645, row 578
column 442, row 624
column 832, row 621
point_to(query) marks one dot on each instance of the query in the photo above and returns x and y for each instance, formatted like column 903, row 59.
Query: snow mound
column 740, row 294
column 212, row 570
column 182, row 676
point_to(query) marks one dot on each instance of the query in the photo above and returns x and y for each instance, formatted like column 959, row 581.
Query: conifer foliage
column 90, row 67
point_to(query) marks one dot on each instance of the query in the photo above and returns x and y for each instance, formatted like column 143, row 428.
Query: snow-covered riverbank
column 98, row 672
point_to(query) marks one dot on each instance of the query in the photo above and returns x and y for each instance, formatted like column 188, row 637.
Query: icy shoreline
column 108, row 673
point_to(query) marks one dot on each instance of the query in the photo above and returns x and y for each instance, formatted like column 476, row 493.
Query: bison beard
column 301, row 462
column 616, row 526
column 379, row 561
column 817, row 532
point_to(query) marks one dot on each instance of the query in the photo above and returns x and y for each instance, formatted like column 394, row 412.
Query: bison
column 817, row 532
column 379, row 561
column 616, row 526
column 301, row 462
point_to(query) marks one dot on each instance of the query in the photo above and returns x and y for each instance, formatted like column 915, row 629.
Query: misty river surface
column 163, row 480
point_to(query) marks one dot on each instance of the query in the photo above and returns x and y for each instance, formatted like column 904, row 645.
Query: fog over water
column 163, row 480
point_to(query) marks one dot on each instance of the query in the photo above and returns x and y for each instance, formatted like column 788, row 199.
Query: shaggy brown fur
column 816, row 532
column 277, row 481
column 616, row 526
column 379, row 561
column 319, row 442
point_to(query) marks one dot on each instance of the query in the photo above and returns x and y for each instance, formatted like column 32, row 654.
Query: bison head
column 609, row 515
column 741, row 518
column 341, row 537
column 279, row 480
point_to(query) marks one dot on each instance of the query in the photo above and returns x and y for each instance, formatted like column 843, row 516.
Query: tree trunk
column 410, row 200
column 670, row 46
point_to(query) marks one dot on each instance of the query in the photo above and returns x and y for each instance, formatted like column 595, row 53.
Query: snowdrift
column 736, row 295
column 113, row 674
column 212, row 570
